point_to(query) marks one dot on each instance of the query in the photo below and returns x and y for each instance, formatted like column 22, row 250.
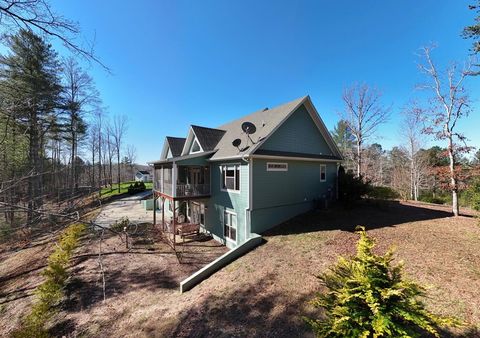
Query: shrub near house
column 368, row 297
column 136, row 188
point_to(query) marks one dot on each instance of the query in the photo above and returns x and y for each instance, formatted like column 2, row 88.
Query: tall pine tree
column 30, row 82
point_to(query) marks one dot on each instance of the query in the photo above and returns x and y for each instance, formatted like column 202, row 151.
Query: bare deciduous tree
column 80, row 95
column 118, row 128
column 450, row 103
column 131, row 154
column 363, row 114
column 411, row 131
column 38, row 15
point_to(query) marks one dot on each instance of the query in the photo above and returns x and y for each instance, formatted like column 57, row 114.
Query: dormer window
column 195, row 147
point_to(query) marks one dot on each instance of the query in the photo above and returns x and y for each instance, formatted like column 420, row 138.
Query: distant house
column 248, row 175
column 143, row 176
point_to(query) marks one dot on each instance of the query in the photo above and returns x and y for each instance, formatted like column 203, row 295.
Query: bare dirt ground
column 262, row 294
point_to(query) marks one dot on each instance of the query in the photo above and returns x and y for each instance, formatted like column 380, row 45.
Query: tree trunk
column 99, row 158
column 33, row 186
column 72, row 159
column 118, row 168
column 359, row 158
column 453, row 177
column 93, row 166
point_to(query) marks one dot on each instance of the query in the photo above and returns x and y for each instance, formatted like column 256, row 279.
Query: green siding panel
column 264, row 219
column 298, row 134
column 280, row 195
column 232, row 201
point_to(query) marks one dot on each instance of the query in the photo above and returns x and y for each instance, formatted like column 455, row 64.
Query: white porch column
column 174, row 179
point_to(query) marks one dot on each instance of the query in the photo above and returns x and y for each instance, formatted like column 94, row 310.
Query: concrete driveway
column 129, row 206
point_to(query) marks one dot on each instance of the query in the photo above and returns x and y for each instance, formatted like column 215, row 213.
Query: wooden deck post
column 174, row 224
column 163, row 213
column 154, row 209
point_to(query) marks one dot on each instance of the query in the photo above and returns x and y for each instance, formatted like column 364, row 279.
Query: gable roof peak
column 175, row 144
column 207, row 137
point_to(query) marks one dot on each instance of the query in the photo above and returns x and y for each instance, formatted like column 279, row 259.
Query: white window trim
column 228, row 239
column 325, row 170
column 277, row 169
column 199, row 146
column 235, row 177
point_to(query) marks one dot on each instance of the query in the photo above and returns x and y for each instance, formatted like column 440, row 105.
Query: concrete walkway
column 130, row 207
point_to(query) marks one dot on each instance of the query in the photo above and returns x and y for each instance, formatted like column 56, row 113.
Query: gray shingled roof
column 185, row 157
column 266, row 120
column 208, row 137
column 219, row 141
column 176, row 145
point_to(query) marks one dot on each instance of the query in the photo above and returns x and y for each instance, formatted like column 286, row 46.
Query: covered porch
column 183, row 177
column 182, row 220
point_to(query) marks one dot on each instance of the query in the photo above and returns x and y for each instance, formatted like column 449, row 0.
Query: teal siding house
column 248, row 175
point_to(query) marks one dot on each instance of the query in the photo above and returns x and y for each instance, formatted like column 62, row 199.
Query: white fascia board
column 322, row 128
column 259, row 144
column 163, row 156
column 189, row 141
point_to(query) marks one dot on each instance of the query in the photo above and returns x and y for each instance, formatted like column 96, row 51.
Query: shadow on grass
column 466, row 333
column 259, row 310
column 247, row 311
column 85, row 288
column 372, row 215
column 82, row 294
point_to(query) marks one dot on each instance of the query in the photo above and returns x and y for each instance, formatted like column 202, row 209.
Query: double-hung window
column 230, row 225
column 230, row 177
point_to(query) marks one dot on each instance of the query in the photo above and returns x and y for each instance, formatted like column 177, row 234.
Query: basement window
column 230, row 226
column 274, row 166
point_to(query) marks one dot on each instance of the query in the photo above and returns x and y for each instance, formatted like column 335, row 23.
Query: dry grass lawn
column 262, row 294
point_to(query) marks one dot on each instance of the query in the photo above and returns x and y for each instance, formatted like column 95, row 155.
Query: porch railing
column 185, row 190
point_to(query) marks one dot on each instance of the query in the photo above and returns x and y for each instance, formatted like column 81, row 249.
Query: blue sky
column 177, row 63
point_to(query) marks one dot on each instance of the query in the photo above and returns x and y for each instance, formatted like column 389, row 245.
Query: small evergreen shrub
column 136, row 188
column 431, row 199
column 471, row 196
column 368, row 297
column 351, row 188
column 383, row 193
column 120, row 224
column 51, row 291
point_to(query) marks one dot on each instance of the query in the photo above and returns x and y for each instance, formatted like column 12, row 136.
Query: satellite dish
column 249, row 128
column 236, row 142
